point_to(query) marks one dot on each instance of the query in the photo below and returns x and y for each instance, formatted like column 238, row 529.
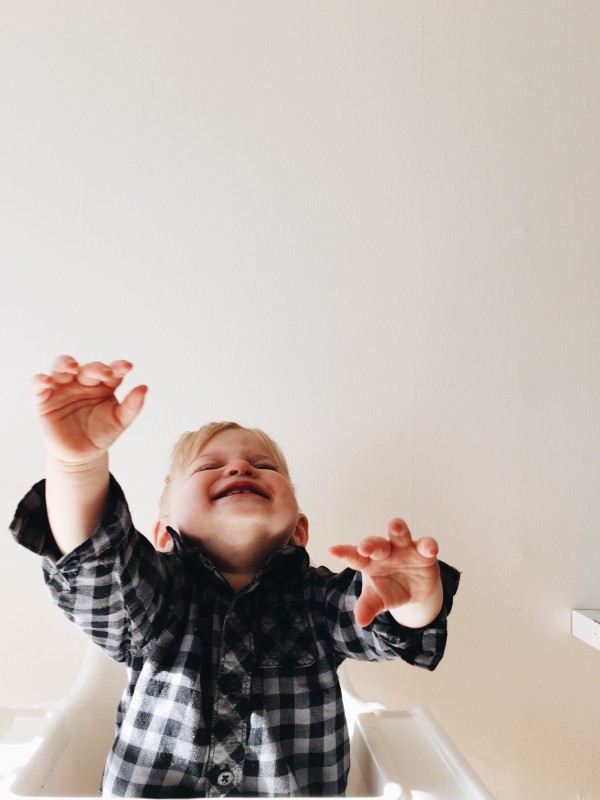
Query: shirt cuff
column 31, row 528
column 450, row 578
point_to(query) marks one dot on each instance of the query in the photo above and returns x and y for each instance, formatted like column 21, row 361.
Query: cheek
column 188, row 496
column 288, row 498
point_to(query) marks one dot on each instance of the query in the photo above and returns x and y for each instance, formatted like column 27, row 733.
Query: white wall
column 371, row 228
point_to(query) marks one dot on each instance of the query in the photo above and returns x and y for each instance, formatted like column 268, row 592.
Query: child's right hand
column 78, row 411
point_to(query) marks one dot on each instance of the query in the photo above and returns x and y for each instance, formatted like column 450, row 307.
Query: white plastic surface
column 58, row 750
column 585, row 625
column 408, row 755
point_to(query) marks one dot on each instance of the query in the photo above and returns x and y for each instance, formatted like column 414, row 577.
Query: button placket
column 231, row 684
column 227, row 750
column 225, row 778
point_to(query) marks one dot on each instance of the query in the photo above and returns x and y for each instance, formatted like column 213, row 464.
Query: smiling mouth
column 241, row 489
column 237, row 492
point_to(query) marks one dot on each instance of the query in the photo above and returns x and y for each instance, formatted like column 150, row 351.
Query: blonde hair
column 191, row 443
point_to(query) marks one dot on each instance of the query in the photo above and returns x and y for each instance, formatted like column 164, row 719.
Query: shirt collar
column 290, row 558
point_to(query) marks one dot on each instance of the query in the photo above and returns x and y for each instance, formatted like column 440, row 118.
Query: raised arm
column 80, row 419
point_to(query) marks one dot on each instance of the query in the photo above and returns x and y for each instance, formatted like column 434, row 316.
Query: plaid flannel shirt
column 228, row 694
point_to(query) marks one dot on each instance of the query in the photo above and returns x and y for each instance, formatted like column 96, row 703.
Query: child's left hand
column 399, row 574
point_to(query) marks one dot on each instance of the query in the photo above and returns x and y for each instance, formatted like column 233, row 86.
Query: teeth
column 240, row 491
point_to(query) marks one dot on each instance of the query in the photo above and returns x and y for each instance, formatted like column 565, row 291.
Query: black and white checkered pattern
column 228, row 694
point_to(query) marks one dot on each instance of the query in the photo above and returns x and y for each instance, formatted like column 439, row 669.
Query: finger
column 64, row 363
column 41, row 382
column 120, row 367
column 41, row 387
column 110, row 375
column 375, row 547
column 349, row 554
column 64, row 369
column 131, row 406
column 399, row 533
column 427, row 547
column 368, row 605
column 95, row 373
column 118, row 370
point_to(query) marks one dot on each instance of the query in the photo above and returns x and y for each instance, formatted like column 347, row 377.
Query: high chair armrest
column 28, row 736
column 406, row 754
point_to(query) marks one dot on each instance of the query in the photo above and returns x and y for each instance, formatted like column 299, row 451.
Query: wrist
column 419, row 614
column 76, row 498
column 92, row 464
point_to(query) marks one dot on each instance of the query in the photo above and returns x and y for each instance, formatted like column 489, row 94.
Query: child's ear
column 162, row 538
column 300, row 535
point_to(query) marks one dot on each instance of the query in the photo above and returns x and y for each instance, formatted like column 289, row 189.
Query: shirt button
column 225, row 778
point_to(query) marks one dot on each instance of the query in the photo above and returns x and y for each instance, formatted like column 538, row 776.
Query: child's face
column 234, row 503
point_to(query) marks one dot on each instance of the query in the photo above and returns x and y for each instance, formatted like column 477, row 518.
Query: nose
column 240, row 467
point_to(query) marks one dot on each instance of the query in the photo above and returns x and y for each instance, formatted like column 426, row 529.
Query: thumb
column 368, row 605
column 131, row 406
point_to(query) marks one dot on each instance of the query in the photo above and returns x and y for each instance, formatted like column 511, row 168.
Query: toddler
column 232, row 640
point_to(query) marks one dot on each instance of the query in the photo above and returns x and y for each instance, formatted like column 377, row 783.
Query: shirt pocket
column 284, row 637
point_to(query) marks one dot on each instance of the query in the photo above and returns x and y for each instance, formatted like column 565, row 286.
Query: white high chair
column 58, row 749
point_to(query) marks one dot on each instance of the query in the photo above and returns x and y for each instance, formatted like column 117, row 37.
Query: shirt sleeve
column 384, row 638
column 114, row 586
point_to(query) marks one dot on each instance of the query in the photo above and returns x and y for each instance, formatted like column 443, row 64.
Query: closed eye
column 261, row 465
